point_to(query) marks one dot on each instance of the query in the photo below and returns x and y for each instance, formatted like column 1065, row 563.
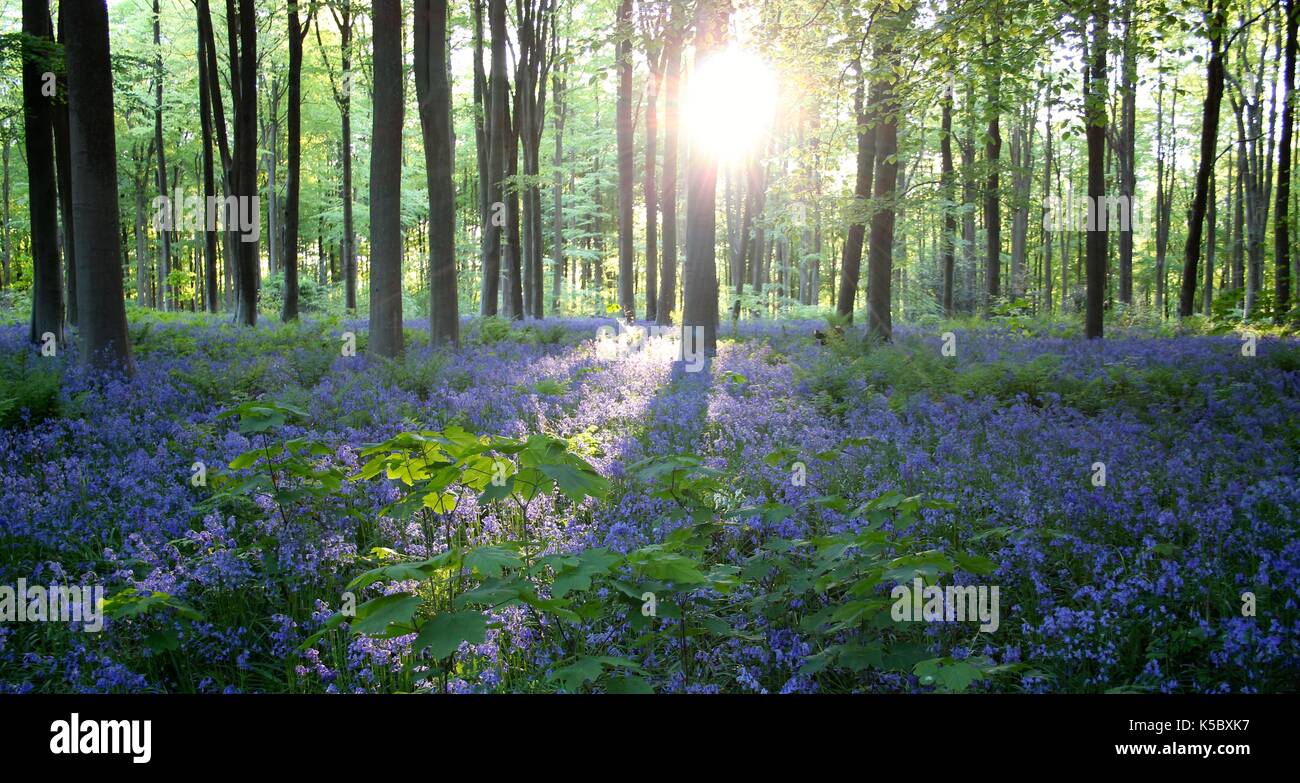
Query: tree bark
column 104, row 340
column 700, row 287
column 1214, row 76
column 386, row 181
column 47, row 285
column 851, row 261
column 1282, row 210
column 1095, row 110
column 623, row 132
column 433, row 95
column 667, row 299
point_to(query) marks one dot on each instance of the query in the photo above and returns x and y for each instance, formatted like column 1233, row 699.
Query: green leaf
column 629, row 684
column 576, row 482
column 374, row 616
column 443, row 634
column 490, row 561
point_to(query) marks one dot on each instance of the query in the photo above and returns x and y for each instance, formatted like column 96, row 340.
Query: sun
column 730, row 103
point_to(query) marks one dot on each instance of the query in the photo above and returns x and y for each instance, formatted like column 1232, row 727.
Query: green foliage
column 29, row 389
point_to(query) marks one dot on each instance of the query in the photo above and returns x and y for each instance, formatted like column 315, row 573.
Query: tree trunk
column 851, row 261
column 63, row 161
column 105, row 343
column 246, row 248
column 667, row 300
column 293, row 176
column 1281, row 211
column 700, row 284
column 1095, row 110
column 47, row 285
column 386, row 181
column 496, row 137
column 1214, row 76
column 949, row 199
column 164, row 236
column 880, row 250
column 433, row 96
column 623, row 132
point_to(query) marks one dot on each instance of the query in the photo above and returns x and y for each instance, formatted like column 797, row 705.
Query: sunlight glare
column 730, row 103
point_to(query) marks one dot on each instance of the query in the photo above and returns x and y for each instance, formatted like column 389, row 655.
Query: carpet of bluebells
column 1134, row 585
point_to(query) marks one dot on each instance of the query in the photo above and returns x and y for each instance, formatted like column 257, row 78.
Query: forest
column 649, row 346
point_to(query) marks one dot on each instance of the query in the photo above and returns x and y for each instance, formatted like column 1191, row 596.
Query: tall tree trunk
column 992, row 155
column 651, row 203
column 293, row 176
column 851, row 261
column 1127, row 153
column 164, row 236
column 47, row 285
column 1282, row 211
column 667, row 299
column 210, row 289
column 433, row 95
column 386, row 181
column 496, row 133
column 63, row 160
column 880, row 250
column 1095, row 110
column 557, row 206
column 246, row 248
column 949, row 199
column 1047, row 199
column 1214, row 76
column 623, row 132
column 700, row 284
column 105, row 343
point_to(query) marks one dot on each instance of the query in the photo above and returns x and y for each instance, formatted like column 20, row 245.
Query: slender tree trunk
column 47, row 285
column 164, row 236
column 210, row 289
column 63, row 160
column 667, row 299
column 949, row 198
column 623, row 132
column 651, row 205
column 1282, row 211
column 496, row 133
column 1214, row 76
column 1095, row 109
column 851, row 262
column 293, row 176
column 246, row 248
column 557, row 206
column 1127, row 156
column 992, row 155
column 104, row 340
column 433, row 94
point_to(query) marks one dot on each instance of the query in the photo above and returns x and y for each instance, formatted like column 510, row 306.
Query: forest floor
column 1134, row 501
